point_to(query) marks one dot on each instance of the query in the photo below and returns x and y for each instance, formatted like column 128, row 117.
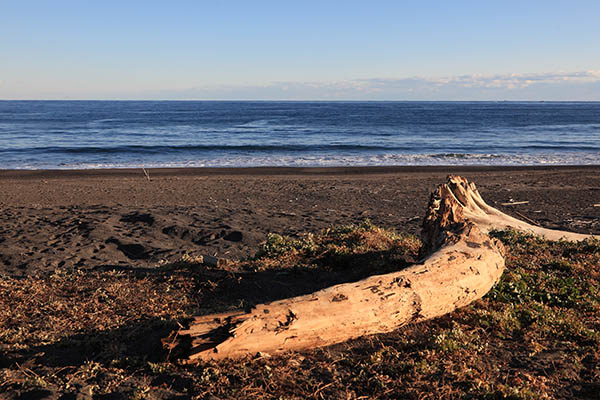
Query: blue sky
column 342, row 50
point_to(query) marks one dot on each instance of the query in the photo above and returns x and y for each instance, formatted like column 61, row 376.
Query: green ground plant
column 96, row 334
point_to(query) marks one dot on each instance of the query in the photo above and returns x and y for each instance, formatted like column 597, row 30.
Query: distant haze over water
column 118, row 134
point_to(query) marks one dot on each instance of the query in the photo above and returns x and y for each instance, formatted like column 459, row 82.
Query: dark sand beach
column 93, row 218
column 92, row 283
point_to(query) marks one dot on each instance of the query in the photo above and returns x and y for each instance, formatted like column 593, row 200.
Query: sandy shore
column 95, row 218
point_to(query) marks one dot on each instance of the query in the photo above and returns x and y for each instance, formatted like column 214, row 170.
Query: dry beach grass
column 535, row 335
column 93, row 329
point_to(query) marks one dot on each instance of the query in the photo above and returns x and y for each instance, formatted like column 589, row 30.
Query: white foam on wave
column 453, row 159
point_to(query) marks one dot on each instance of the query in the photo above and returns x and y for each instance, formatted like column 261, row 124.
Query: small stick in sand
column 514, row 203
column 527, row 218
column 146, row 173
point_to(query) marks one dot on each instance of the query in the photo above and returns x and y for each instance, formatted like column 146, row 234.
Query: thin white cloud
column 473, row 85
column 512, row 81
column 578, row 85
column 509, row 81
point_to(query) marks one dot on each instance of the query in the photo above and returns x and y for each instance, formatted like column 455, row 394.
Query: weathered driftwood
column 461, row 265
column 487, row 218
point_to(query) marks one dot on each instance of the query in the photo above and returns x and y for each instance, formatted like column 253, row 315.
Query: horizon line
column 314, row 100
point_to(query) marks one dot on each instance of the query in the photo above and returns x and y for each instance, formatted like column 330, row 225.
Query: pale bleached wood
column 487, row 218
column 461, row 264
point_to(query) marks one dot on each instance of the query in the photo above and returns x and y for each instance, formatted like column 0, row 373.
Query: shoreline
column 281, row 170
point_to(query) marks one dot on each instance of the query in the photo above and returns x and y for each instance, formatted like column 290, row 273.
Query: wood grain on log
column 461, row 264
column 487, row 218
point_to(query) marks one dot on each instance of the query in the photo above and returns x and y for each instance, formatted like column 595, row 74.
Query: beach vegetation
column 90, row 332
column 361, row 247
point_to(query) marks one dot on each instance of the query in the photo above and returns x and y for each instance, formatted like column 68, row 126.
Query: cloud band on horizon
column 552, row 86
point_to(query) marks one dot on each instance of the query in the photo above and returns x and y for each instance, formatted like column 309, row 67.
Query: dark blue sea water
column 99, row 134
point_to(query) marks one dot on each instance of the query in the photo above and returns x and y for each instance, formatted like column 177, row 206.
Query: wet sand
column 97, row 218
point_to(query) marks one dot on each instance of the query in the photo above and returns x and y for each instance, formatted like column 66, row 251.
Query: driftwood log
column 487, row 218
column 460, row 265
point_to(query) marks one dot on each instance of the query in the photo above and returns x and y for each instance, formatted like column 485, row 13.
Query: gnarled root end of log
column 459, row 199
column 462, row 263
column 452, row 209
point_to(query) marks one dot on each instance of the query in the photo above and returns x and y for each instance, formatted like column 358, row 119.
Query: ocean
column 126, row 134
